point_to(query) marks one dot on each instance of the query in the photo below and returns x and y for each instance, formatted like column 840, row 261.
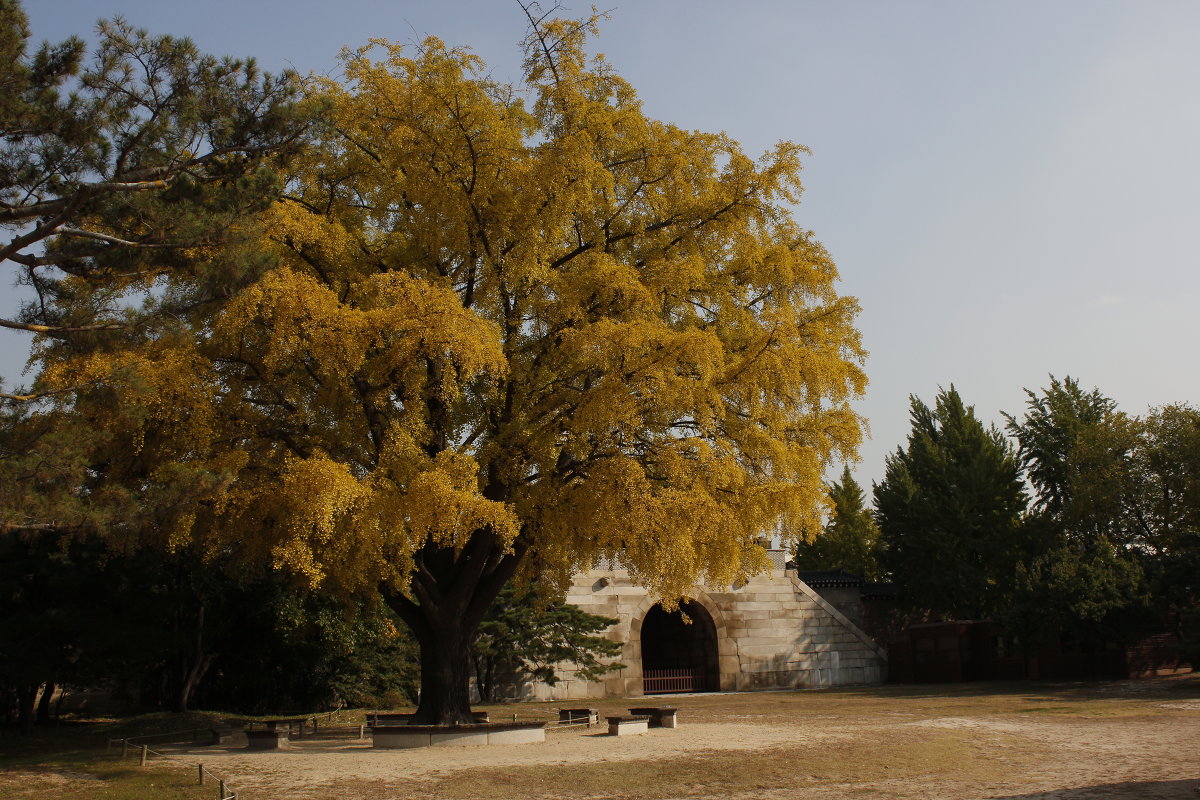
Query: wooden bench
column 628, row 726
column 572, row 716
column 660, row 716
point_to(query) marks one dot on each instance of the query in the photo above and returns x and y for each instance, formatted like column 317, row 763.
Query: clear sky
column 1010, row 188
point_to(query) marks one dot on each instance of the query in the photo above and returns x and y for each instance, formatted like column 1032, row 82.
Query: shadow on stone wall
column 810, row 670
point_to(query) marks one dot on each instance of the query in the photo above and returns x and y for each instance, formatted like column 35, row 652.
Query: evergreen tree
column 1048, row 434
column 139, row 165
column 523, row 637
column 948, row 510
column 1083, row 575
column 850, row 539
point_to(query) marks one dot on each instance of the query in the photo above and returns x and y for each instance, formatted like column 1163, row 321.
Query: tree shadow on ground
column 1132, row 790
column 1187, row 684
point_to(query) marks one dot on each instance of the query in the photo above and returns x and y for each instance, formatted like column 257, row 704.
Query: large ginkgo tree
column 509, row 328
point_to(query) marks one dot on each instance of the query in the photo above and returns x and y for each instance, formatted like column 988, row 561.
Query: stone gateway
column 773, row 632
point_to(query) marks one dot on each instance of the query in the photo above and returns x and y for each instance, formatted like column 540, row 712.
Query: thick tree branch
column 53, row 330
column 84, row 192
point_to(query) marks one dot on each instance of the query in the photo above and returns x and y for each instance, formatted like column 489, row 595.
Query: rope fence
column 137, row 747
column 143, row 752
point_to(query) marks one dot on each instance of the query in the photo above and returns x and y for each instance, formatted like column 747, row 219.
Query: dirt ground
column 1136, row 739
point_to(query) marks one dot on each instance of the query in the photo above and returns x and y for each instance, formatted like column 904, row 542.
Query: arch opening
column 679, row 656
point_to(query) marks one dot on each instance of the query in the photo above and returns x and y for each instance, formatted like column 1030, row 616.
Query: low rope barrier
column 224, row 790
column 143, row 752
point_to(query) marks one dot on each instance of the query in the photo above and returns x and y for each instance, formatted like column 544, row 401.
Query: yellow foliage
column 532, row 315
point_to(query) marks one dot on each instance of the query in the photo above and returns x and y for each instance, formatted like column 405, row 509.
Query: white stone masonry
column 772, row 633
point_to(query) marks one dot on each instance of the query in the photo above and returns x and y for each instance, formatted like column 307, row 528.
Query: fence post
column 362, row 731
column 220, row 790
column 145, row 753
column 199, row 774
column 124, row 748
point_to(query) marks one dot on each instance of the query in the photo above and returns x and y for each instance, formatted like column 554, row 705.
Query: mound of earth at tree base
column 413, row 735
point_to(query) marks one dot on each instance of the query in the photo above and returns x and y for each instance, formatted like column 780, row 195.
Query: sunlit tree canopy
column 503, row 327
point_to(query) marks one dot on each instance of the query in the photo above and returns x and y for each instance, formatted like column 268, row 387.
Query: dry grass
column 72, row 761
column 96, row 780
column 708, row 773
column 1068, row 742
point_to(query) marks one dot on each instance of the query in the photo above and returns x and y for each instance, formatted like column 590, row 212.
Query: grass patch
column 99, row 779
column 71, row 760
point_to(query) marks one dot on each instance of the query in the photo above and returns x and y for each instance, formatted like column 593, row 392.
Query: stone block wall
column 774, row 632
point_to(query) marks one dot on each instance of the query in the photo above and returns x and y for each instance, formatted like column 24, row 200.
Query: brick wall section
column 772, row 633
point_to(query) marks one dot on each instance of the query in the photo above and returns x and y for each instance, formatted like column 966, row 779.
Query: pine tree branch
column 87, row 190
column 57, row 329
column 21, row 398
column 103, row 237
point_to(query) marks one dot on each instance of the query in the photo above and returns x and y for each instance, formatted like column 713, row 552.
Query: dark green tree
column 1048, row 434
column 1083, row 575
column 1163, row 501
column 73, row 614
column 307, row 650
column 850, row 540
column 118, row 172
column 949, row 509
column 44, row 476
column 523, row 638
column 163, row 630
column 145, row 160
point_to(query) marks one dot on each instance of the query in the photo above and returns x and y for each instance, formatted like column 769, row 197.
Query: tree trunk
column 485, row 678
column 192, row 679
column 451, row 593
column 43, row 707
column 194, row 667
column 446, row 677
column 26, row 692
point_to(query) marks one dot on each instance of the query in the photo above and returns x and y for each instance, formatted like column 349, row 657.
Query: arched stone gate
column 677, row 649
column 774, row 632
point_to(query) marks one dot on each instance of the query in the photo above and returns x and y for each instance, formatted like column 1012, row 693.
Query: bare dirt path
column 1129, row 740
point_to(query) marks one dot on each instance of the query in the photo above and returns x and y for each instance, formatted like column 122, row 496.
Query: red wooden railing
column 661, row 681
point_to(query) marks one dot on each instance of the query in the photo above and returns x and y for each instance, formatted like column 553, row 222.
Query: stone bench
column 570, row 716
column 274, row 738
column 409, row 736
column 660, row 716
column 628, row 726
column 221, row 733
column 275, row 733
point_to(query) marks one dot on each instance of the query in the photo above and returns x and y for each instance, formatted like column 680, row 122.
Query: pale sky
column 1010, row 188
